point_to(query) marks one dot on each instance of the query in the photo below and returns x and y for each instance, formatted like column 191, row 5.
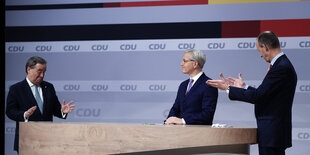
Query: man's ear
column 28, row 69
column 196, row 64
column 266, row 47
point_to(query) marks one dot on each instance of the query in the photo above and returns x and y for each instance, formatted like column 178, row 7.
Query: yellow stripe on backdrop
column 248, row 1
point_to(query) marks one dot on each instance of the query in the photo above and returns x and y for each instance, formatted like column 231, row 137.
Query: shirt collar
column 29, row 82
column 196, row 77
column 276, row 57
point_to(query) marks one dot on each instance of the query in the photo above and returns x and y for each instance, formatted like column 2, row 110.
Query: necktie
column 38, row 99
column 269, row 67
column 189, row 85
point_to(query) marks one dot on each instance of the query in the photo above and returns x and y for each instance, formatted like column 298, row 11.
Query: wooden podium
column 99, row 138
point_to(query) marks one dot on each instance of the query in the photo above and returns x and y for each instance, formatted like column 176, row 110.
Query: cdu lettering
column 157, row 87
column 10, row 130
column 16, row 48
column 186, row 46
column 303, row 135
column 304, row 44
column 87, row 112
column 43, row 48
column 71, row 87
column 246, row 45
column 216, row 45
column 304, row 88
column 71, row 47
column 126, row 87
column 99, row 47
column 283, row 44
column 157, row 46
column 98, row 87
column 126, row 47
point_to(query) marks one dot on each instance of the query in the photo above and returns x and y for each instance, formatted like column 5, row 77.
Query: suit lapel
column 29, row 93
column 274, row 66
column 45, row 94
column 196, row 85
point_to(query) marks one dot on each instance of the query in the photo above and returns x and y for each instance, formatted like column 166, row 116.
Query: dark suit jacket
column 198, row 105
column 20, row 98
column 273, row 101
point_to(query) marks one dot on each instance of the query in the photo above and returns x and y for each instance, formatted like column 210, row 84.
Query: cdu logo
column 128, row 87
column 99, row 47
column 127, row 47
column 283, row 44
column 71, row 47
column 186, row 46
column 246, row 45
column 88, row 112
column 304, row 44
column 99, row 87
column 72, row 87
column 43, row 48
column 157, row 46
column 304, row 88
column 216, row 45
column 303, row 136
column 157, row 87
column 10, row 130
column 16, row 48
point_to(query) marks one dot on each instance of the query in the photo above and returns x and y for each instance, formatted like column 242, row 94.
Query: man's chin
column 38, row 82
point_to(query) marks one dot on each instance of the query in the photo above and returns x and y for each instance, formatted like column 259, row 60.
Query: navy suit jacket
column 20, row 98
column 273, row 101
column 198, row 105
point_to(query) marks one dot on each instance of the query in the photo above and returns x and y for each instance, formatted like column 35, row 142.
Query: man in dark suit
column 34, row 99
column 273, row 99
column 195, row 102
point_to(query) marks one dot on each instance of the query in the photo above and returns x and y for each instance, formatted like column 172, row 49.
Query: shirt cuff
column 227, row 90
column 26, row 119
column 183, row 121
column 63, row 114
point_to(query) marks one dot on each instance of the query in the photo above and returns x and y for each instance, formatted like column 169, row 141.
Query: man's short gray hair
column 197, row 55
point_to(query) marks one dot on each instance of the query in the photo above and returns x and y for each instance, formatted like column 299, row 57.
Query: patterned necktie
column 189, row 85
column 38, row 99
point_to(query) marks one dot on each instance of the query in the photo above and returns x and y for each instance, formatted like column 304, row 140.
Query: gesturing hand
column 220, row 84
column 226, row 82
column 237, row 82
column 67, row 108
column 30, row 111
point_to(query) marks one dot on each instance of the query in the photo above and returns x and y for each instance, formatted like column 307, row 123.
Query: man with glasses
column 195, row 102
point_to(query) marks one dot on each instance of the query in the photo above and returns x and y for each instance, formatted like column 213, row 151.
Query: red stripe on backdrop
column 237, row 29
column 163, row 3
column 287, row 28
column 111, row 5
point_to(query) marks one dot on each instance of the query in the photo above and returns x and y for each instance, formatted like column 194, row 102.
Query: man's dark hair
column 31, row 62
column 269, row 39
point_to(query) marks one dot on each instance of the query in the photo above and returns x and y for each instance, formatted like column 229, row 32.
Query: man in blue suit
column 195, row 102
column 34, row 99
column 273, row 99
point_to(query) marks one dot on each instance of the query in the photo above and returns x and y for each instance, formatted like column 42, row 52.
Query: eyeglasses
column 185, row 61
